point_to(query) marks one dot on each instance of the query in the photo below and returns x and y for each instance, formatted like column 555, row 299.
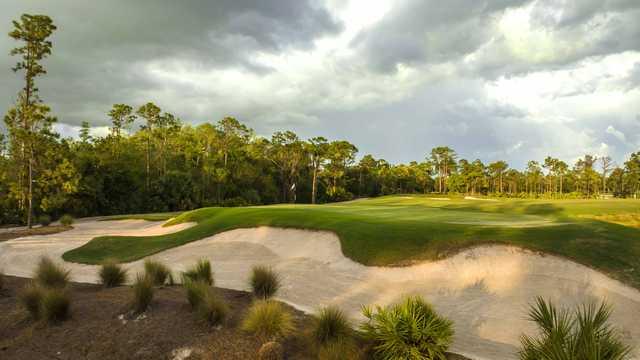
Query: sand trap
column 485, row 290
column 480, row 199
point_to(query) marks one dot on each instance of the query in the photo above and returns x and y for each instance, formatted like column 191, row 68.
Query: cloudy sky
column 499, row 79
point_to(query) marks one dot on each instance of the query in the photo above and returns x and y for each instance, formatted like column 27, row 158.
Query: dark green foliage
column 157, row 272
column 331, row 325
column 268, row 320
column 212, row 308
column 410, row 329
column 30, row 298
column 112, row 274
column 196, row 291
column 271, row 350
column 143, row 292
column 50, row 274
column 55, row 305
column 66, row 220
column 580, row 334
column 201, row 271
column 44, row 220
column 264, row 282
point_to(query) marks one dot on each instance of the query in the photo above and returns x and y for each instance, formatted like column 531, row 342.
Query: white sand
column 485, row 291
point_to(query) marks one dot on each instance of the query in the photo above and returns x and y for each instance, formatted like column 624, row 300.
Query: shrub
column 30, row 298
column 196, row 291
column 157, row 272
column 142, row 293
column 201, row 271
column 268, row 320
column 112, row 274
column 212, row 309
column 408, row 330
column 44, row 220
column 55, row 305
column 66, row 220
column 264, row 282
column 581, row 334
column 271, row 351
column 50, row 274
column 331, row 325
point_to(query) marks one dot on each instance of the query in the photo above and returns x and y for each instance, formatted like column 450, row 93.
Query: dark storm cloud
column 100, row 46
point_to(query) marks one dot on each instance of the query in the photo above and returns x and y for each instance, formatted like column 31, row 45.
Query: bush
column 264, row 282
column 268, row 320
column 212, row 309
column 55, row 305
column 66, row 220
column 408, row 330
column 331, row 325
column 271, row 351
column 142, row 293
column 50, row 274
column 44, row 220
column 581, row 334
column 196, row 291
column 201, row 271
column 157, row 272
column 30, row 298
column 112, row 274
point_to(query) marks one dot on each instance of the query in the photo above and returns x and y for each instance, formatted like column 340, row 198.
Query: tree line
column 166, row 165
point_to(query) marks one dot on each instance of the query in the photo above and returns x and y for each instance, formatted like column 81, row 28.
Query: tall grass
column 583, row 333
column 408, row 330
column 331, row 325
column 196, row 291
column 340, row 350
column 55, row 305
column 201, row 271
column 50, row 274
column 112, row 274
column 264, row 282
column 268, row 320
column 212, row 308
column 157, row 272
column 143, row 292
column 30, row 299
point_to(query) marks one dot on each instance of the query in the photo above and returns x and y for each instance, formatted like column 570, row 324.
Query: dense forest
column 151, row 161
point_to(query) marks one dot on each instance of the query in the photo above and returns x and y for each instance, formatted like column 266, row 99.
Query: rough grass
column 264, row 282
column 55, row 305
column 331, row 325
column 398, row 230
column 268, row 320
column 30, row 298
column 112, row 274
column 195, row 291
column 157, row 272
column 201, row 271
column 212, row 309
column 50, row 274
column 142, row 293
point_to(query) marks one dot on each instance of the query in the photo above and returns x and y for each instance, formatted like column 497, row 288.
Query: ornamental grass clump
column 201, row 271
column 268, row 320
column 195, row 291
column 157, row 272
column 410, row 329
column 30, row 299
column 66, row 220
column 51, row 275
column 212, row 309
column 583, row 333
column 55, row 305
column 331, row 325
column 143, row 292
column 264, row 282
column 112, row 274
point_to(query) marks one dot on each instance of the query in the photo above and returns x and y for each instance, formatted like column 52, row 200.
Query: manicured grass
column 148, row 217
column 398, row 230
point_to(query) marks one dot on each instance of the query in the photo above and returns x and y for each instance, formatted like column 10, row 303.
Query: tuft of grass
column 212, row 308
column 30, row 299
column 55, row 305
column 157, row 272
column 196, row 291
column 408, row 330
column 143, row 292
column 112, row 274
column 50, row 274
column 271, row 350
column 264, row 282
column 340, row 350
column 66, row 220
column 268, row 320
column 581, row 334
column 331, row 325
column 44, row 220
column 201, row 271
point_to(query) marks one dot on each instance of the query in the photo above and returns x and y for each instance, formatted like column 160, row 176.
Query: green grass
column 149, row 217
column 399, row 230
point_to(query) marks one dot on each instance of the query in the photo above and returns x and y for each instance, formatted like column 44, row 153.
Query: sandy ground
column 485, row 291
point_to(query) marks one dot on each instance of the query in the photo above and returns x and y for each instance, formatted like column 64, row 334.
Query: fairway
column 402, row 230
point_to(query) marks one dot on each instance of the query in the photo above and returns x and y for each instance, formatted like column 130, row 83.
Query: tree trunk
column 314, row 185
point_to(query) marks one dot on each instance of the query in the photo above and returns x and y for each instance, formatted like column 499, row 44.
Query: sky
column 504, row 79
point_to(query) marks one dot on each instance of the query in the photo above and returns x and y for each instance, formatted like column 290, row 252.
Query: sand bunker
column 485, row 291
column 480, row 199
